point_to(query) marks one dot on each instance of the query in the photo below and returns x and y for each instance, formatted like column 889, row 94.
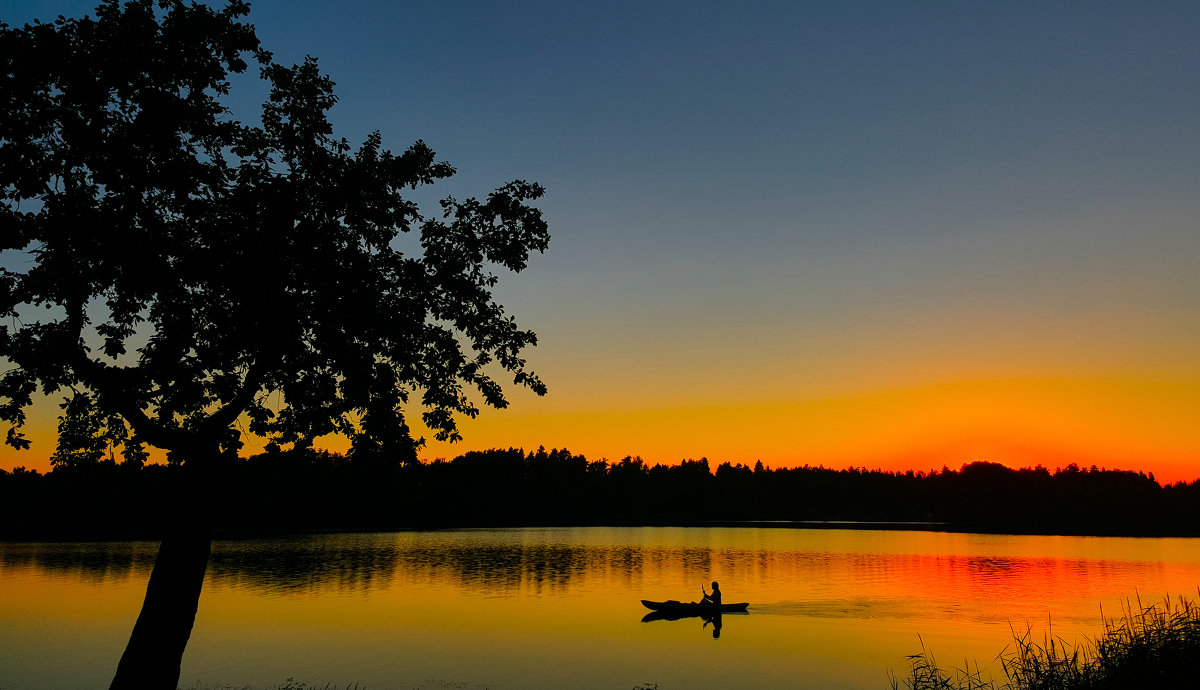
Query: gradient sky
column 898, row 235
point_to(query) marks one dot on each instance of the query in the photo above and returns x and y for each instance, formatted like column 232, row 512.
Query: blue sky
column 793, row 202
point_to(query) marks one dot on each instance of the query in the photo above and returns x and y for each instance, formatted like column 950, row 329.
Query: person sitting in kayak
column 714, row 598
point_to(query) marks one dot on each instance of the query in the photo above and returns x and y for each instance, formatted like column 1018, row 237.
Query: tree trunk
column 155, row 651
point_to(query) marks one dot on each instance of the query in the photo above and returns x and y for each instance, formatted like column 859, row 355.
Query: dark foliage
column 307, row 490
column 171, row 268
column 182, row 267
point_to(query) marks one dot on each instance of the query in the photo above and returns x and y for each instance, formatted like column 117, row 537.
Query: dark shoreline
column 232, row 534
column 306, row 493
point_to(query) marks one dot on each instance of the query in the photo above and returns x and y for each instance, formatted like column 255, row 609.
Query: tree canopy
column 189, row 267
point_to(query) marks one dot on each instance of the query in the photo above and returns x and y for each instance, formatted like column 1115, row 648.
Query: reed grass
column 1156, row 646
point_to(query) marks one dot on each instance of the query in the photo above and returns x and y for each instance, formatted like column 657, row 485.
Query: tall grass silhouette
column 1156, row 646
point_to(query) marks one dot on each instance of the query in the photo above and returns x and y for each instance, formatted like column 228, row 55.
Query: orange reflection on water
column 560, row 607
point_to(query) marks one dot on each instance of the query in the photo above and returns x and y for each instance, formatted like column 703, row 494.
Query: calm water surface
column 559, row 608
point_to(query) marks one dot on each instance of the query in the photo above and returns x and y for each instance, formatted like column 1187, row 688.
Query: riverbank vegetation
column 1157, row 646
column 305, row 491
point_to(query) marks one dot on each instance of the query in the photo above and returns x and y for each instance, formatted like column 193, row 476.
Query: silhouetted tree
column 185, row 269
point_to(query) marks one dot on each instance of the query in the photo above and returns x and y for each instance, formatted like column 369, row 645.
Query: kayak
column 691, row 608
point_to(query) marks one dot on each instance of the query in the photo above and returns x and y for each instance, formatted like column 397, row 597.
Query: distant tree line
column 310, row 490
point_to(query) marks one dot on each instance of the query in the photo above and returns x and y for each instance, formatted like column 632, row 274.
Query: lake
column 559, row 607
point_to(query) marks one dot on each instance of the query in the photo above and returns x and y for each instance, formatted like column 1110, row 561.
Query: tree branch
column 222, row 418
column 106, row 381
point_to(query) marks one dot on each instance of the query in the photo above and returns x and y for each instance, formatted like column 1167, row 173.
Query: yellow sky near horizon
column 1146, row 425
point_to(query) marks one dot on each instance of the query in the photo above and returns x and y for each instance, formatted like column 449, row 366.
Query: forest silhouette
column 286, row 491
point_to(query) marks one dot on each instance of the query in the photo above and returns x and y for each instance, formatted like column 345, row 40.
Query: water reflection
column 831, row 608
column 715, row 619
column 803, row 581
column 88, row 562
column 508, row 567
column 304, row 564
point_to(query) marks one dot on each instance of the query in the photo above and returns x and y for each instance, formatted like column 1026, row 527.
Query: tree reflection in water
column 96, row 562
column 489, row 561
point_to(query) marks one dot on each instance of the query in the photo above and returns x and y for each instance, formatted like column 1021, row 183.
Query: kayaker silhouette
column 714, row 598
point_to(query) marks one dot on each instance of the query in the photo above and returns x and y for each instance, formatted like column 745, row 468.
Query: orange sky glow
column 1120, row 424
column 898, row 239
